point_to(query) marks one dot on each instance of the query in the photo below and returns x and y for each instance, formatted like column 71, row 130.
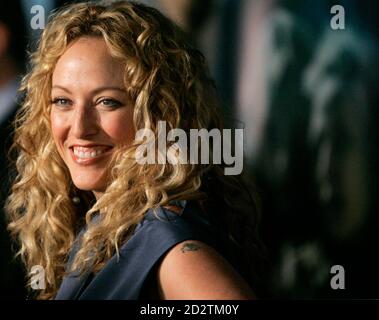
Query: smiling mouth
column 89, row 155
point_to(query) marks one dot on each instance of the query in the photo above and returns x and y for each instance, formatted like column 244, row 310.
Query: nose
column 84, row 123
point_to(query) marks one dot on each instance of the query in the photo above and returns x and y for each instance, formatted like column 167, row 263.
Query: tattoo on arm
column 190, row 246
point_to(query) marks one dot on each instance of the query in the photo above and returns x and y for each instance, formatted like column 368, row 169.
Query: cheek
column 58, row 128
column 120, row 128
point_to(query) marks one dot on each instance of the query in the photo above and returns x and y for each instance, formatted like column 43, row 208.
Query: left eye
column 110, row 103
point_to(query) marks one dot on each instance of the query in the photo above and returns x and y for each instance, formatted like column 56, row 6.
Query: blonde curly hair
column 166, row 79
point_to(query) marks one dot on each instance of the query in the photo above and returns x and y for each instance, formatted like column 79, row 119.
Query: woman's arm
column 194, row 270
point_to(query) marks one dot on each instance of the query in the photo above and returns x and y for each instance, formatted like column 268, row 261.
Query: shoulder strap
column 123, row 278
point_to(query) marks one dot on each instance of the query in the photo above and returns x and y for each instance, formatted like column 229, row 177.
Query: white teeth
column 80, row 153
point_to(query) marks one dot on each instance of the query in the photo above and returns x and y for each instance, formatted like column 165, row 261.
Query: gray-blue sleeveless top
column 123, row 278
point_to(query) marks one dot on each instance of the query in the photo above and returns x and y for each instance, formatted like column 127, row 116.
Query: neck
column 97, row 194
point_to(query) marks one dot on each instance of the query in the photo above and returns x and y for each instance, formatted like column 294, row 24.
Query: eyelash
column 55, row 101
column 115, row 103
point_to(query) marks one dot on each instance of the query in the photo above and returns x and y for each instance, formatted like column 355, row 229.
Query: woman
column 100, row 223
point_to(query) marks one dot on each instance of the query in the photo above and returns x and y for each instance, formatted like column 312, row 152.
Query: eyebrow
column 97, row 90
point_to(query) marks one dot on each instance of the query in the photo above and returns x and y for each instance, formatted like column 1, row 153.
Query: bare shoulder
column 194, row 270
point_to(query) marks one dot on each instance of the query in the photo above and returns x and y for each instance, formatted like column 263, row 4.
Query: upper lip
column 89, row 145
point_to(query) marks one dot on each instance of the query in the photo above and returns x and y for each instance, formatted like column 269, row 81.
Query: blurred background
column 302, row 79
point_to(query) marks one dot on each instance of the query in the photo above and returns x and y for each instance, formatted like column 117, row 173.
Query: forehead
column 87, row 62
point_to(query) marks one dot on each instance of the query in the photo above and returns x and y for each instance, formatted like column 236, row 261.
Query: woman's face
column 90, row 114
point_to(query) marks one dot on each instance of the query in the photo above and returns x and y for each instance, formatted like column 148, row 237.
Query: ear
column 4, row 39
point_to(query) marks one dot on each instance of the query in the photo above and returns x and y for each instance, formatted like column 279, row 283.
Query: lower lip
column 89, row 161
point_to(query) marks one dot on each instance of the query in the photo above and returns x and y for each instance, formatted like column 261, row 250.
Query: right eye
column 61, row 102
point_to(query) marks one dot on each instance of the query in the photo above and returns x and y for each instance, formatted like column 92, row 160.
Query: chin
column 88, row 184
